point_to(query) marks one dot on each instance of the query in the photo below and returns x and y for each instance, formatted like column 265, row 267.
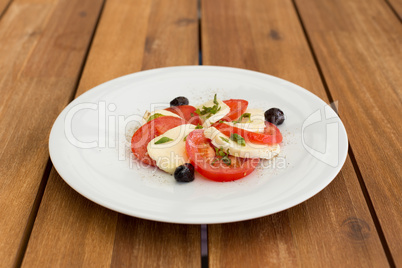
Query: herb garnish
column 245, row 115
column 220, row 152
column 185, row 138
column 226, row 160
column 152, row 117
column 209, row 111
column 224, row 139
column 163, row 140
column 199, row 127
column 237, row 138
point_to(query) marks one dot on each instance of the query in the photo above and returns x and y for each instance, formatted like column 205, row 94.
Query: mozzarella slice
column 256, row 122
column 169, row 155
column 251, row 150
column 147, row 115
column 224, row 110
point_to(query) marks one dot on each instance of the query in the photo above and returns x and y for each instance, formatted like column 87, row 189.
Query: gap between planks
column 356, row 168
column 32, row 216
column 204, row 227
column 35, row 207
column 6, row 6
column 393, row 10
column 370, row 206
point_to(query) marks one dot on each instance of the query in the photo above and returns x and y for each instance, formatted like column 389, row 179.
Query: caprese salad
column 222, row 140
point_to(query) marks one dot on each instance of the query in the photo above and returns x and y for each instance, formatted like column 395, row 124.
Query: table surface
column 346, row 52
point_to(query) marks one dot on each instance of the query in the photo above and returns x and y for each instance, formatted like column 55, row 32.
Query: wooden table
column 349, row 52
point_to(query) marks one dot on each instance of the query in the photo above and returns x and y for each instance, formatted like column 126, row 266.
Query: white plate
column 89, row 147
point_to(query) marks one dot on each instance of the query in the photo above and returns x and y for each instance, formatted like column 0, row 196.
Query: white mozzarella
column 147, row 115
column 256, row 122
column 169, row 155
column 250, row 150
column 224, row 110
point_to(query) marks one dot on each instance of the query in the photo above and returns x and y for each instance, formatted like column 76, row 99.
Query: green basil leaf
column 163, row 140
column 224, row 139
column 237, row 138
column 226, row 160
column 209, row 111
column 152, row 117
column 224, row 156
column 245, row 115
column 215, row 101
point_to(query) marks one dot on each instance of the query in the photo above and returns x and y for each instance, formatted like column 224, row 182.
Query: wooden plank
column 396, row 5
column 335, row 227
column 141, row 243
column 82, row 236
column 358, row 46
column 132, row 35
column 43, row 44
column 3, row 6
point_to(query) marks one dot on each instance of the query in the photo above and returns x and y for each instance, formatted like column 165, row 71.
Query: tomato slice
column 237, row 108
column 149, row 131
column 202, row 155
column 187, row 112
column 271, row 134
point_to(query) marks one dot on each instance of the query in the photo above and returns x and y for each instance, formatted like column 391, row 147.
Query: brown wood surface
column 43, row 44
column 357, row 45
column 332, row 229
column 3, row 6
column 396, row 5
column 359, row 48
column 70, row 230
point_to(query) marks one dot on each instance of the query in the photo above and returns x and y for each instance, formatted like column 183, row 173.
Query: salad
column 221, row 140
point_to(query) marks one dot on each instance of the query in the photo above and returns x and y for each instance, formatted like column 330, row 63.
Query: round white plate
column 90, row 147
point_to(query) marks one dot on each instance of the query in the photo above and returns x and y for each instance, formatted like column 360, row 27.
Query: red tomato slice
column 187, row 112
column 202, row 155
column 149, row 131
column 271, row 134
column 237, row 108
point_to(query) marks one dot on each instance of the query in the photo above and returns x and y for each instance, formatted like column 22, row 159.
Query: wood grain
column 358, row 46
column 335, row 227
column 396, row 5
column 43, row 44
column 141, row 243
column 132, row 35
column 3, row 6
column 85, row 237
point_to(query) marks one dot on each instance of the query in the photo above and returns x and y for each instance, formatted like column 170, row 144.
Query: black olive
column 179, row 101
column 184, row 173
column 274, row 116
